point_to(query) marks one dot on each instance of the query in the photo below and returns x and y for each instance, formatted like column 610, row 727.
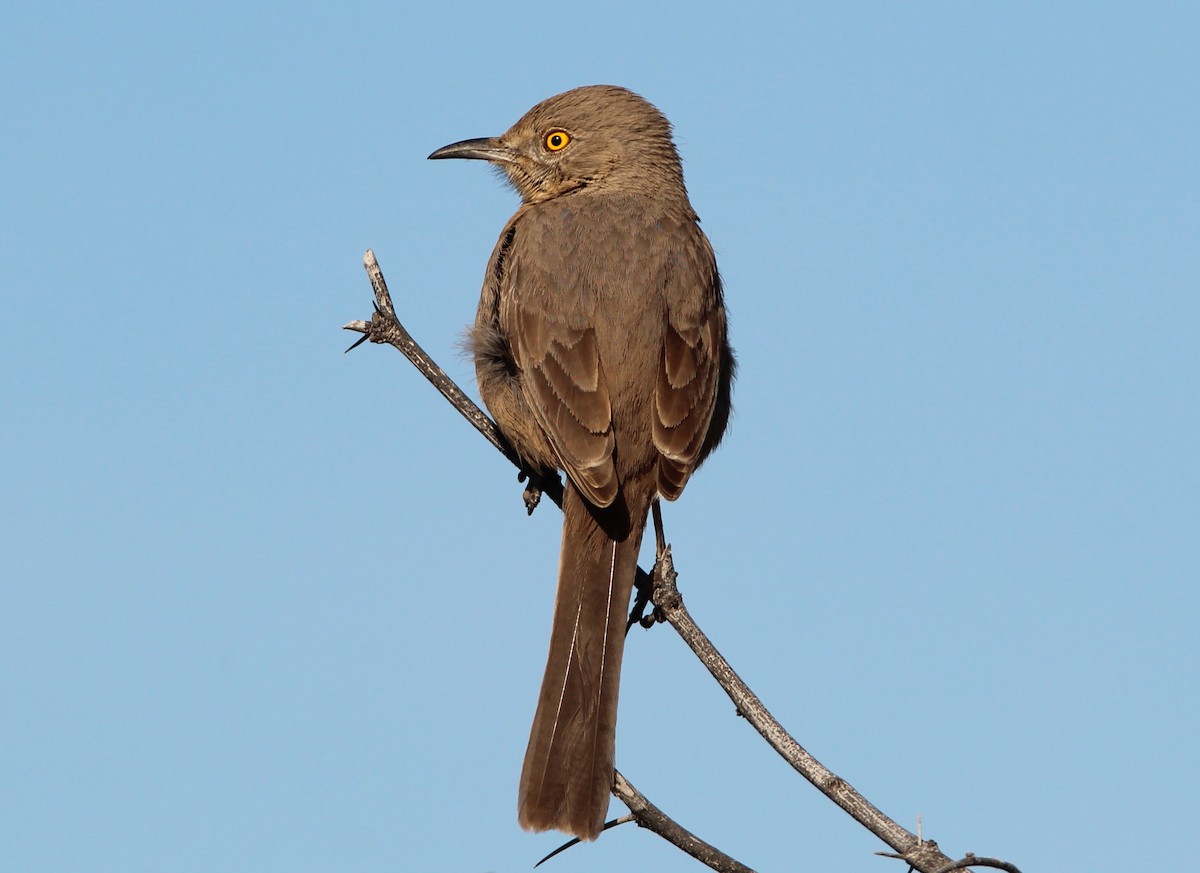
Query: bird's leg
column 643, row 588
column 644, row 584
column 660, row 539
column 662, row 556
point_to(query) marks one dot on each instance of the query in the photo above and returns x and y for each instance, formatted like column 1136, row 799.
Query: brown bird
column 600, row 350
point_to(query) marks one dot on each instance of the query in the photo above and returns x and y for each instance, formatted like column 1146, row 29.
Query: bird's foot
column 537, row 485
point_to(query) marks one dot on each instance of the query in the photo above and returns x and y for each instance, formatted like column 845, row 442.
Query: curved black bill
column 483, row 149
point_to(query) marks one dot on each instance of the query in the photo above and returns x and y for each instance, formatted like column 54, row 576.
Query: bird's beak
column 488, row 148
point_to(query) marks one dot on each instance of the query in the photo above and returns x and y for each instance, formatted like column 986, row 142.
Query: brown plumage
column 600, row 350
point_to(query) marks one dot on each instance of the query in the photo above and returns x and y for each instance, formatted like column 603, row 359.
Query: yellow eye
column 556, row 140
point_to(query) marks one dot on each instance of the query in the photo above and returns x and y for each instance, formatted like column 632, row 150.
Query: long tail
column 568, row 770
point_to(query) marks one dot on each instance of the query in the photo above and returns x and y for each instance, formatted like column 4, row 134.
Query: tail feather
column 568, row 771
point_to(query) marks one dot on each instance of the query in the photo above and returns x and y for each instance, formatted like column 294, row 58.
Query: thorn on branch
column 620, row 820
column 970, row 860
column 649, row 816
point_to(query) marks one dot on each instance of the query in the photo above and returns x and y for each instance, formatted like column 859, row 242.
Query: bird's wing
column 691, row 375
column 547, row 312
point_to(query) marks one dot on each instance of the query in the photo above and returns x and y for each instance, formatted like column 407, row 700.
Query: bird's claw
column 532, row 495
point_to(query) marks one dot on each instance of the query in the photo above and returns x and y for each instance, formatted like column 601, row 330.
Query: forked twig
column 921, row 854
column 650, row 816
column 972, row 861
column 647, row 815
column 608, row 825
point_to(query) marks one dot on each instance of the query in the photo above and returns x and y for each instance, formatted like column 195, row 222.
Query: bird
column 600, row 348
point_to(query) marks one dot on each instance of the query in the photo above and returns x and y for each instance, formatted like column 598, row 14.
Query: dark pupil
column 556, row 140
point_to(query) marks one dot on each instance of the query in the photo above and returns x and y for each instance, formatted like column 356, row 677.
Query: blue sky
column 272, row 607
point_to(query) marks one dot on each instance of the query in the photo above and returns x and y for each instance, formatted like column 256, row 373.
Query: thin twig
column 660, row 538
column 385, row 327
column 608, row 825
column 972, row 861
column 650, row 816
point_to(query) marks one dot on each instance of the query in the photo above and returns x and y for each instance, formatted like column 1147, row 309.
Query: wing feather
column 556, row 347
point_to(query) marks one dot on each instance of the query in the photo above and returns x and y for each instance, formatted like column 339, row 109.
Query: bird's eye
column 556, row 140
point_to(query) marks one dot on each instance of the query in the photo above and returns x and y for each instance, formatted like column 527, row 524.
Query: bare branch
column 670, row 602
column 385, row 327
column 971, row 861
column 921, row 854
column 650, row 816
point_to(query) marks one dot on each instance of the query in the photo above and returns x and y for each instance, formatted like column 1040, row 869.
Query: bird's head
column 599, row 136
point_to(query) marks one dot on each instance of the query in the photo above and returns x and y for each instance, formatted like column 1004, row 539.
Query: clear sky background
column 269, row 607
